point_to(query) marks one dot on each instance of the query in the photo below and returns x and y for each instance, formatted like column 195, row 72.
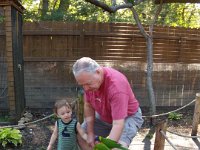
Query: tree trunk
column 44, row 9
column 63, row 6
column 151, row 95
column 149, row 44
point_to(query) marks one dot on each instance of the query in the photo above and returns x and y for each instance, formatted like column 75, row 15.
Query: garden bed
column 36, row 136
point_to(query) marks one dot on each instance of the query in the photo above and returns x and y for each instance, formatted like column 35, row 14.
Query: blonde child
column 66, row 128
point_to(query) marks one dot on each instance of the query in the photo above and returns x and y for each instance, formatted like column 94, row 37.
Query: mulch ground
column 37, row 136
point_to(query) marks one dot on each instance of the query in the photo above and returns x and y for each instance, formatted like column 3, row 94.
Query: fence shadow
column 196, row 141
column 148, row 137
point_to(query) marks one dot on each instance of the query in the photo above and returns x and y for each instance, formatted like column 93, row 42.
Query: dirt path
column 143, row 142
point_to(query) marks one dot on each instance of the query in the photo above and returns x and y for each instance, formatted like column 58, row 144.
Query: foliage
column 9, row 135
column 54, row 117
column 184, row 15
column 174, row 116
column 149, row 135
column 1, row 18
column 173, row 14
column 4, row 118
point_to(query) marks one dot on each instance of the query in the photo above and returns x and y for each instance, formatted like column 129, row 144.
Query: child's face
column 64, row 113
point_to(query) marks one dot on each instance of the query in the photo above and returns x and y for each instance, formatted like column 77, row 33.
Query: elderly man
column 110, row 107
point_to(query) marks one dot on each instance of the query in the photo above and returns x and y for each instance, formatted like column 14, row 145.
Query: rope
column 77, row 100
column 163, row 133
column 36, row 121
column 163, row 114
column 28, row 123
column 183, row 135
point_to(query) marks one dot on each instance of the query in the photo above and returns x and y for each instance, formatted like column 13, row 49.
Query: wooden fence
column 104, row 41
column 50, row 48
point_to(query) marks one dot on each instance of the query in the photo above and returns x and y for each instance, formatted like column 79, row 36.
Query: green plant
column 2, row 18
column 149, row 135
column 174, row 116
column 54, row 117
column 10, row 136
column 4, row 119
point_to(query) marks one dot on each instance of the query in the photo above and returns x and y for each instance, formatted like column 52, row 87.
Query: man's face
column 89, row 81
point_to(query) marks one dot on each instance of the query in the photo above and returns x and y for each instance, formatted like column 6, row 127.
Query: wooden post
column 14, row 57
column 159, row 143
column 196, row 115
column 9, row 58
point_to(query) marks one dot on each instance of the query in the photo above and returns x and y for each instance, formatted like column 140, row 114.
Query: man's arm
column 117, row 129
column 89, row 118
column 81, row 132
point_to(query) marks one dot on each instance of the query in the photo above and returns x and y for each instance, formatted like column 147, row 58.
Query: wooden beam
column 177, row 1
column 196, row 116
column 159, row 143
column 15, row 3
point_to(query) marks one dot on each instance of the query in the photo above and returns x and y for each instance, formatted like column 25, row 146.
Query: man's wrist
column 88, row 119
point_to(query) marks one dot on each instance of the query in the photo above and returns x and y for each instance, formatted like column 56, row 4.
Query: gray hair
column 85, row 64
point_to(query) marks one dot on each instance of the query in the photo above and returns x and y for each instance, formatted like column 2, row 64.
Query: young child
column 66, row 128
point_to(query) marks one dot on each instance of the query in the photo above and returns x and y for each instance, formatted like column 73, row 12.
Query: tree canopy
column 172, row 14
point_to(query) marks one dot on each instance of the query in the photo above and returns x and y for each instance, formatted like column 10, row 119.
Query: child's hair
column 61, row 103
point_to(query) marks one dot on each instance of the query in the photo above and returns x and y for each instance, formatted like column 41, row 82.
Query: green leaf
column 9, row 135
column 4, row 143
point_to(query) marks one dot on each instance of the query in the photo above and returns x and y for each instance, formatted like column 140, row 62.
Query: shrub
column 4, row 118
column 174, row 116
column 10, row 136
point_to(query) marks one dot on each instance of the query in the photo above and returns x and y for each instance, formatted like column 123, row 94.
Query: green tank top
column 67, row 135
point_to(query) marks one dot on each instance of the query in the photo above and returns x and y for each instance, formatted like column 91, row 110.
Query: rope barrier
column 28, row 123
column 163, row 133
column 36, row 121
column 187, row 136
column 163, row 114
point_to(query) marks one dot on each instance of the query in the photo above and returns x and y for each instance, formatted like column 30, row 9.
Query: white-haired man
column 110, row 107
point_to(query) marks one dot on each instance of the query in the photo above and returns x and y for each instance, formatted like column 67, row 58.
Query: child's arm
column 81, row 132
column 53, row 137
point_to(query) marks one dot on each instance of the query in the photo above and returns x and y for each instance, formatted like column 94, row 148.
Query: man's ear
column 98, row 71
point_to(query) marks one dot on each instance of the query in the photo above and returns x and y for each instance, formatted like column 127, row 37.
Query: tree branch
column 156, row 17
column 136, row 17
column 110, row 9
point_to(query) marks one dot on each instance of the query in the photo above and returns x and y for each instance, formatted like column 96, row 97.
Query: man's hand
column 90, row 140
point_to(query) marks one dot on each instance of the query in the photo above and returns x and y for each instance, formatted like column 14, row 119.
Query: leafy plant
column 10, row 136
column 174, row 116
column 53, row 117
column 4, row 119
column 149, row 135
column 2, row 18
